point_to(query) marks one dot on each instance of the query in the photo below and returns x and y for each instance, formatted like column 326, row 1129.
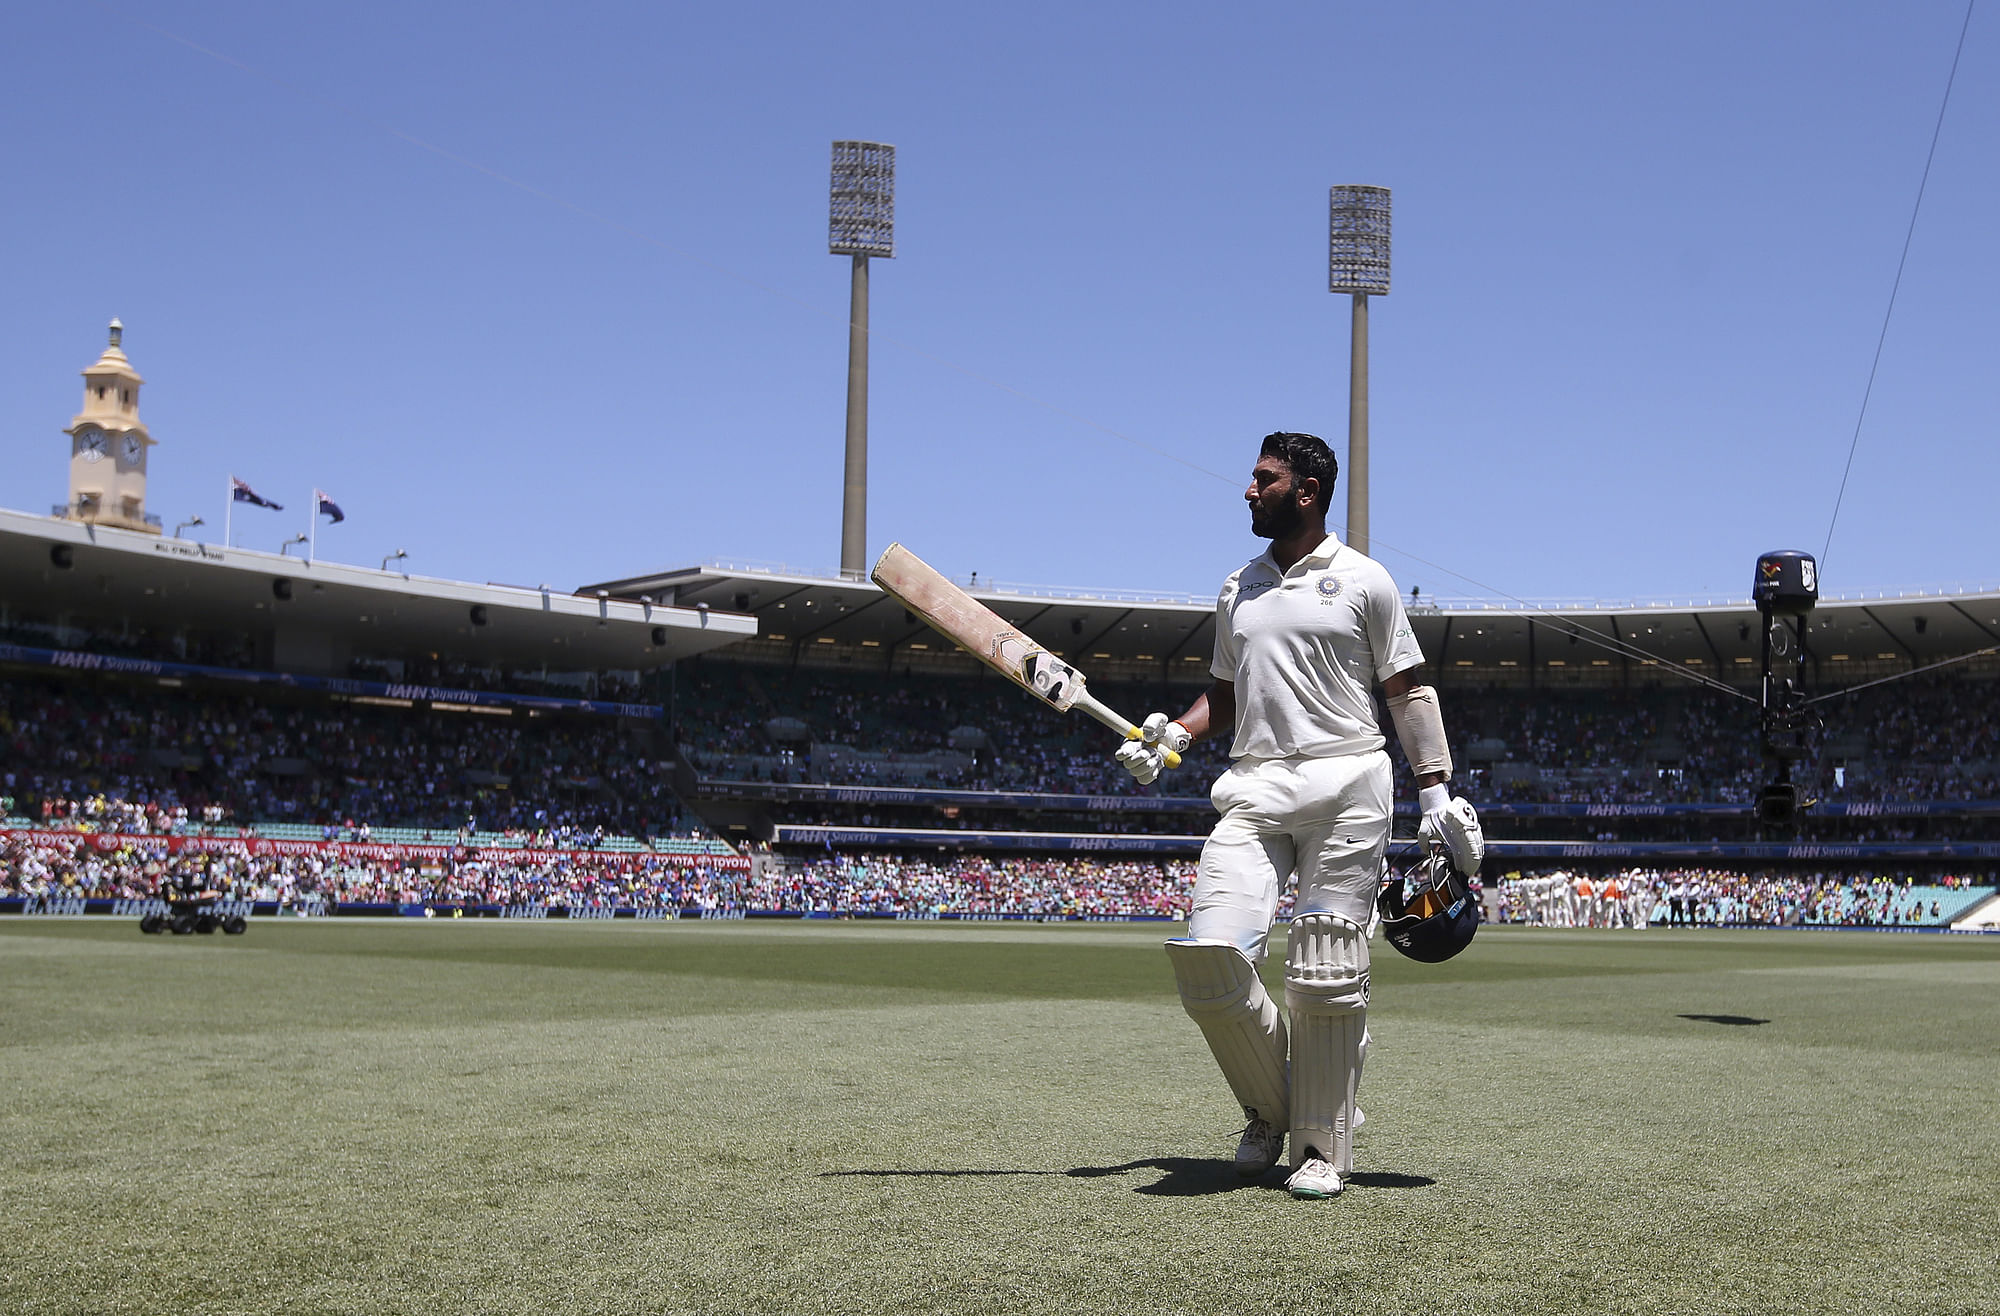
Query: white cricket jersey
column 1305, row 648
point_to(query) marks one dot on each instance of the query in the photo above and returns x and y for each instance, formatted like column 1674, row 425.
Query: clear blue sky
column 1642, row 254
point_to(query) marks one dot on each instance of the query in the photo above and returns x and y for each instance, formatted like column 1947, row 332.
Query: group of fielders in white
column 1578, row 900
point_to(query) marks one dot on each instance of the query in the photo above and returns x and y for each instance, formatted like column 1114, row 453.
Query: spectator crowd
column 205, row 758
column 1708, row 897
column 115, row 756
column 1928, row 738
column 87, row 756
column 891, row 883
column 45, row 865
column 883, row 882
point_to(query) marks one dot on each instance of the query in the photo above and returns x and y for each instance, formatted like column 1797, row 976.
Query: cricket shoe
column 1262, row 1147
column 1314, row 1178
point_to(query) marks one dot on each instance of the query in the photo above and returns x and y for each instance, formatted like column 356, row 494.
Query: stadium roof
column 316, row 612
column 1134, row 634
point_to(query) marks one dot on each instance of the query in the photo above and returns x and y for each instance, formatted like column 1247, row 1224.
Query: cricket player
column 1610, row 902
column 1303, row 635
column 1640, row 887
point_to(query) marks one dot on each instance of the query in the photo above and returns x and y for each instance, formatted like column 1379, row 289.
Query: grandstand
column 308, row 732
column 722, row 734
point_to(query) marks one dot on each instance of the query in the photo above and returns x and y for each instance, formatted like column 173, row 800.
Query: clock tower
column 109, row 446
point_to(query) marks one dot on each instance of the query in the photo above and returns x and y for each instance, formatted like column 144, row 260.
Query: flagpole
column 228, row 508
column 312, row 529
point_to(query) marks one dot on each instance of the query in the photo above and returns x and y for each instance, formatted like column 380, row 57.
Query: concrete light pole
column 861, row 223
column 1358, row 263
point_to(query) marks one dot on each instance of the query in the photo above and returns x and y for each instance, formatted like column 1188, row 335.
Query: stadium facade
column 99, row 594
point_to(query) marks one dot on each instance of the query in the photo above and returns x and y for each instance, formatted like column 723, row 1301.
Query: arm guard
column 1421, row 729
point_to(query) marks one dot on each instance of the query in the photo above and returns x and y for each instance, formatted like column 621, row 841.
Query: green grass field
column 709, row 1117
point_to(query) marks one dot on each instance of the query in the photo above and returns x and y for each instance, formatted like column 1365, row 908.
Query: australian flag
column 243, row 493
column 325, row 506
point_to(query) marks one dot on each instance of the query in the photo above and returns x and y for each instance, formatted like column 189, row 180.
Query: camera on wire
column 1785, row 590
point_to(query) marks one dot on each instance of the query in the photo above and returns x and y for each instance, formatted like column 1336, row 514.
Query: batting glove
column 1145, row 762
column 1167, row 735
column 1451, row 824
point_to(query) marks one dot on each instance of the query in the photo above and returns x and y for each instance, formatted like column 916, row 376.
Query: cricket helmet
column 1429, row 911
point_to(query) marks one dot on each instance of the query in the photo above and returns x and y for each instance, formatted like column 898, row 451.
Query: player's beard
column 1278, row 522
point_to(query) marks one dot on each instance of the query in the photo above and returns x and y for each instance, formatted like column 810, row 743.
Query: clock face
column 91, row 444
column 133, row 447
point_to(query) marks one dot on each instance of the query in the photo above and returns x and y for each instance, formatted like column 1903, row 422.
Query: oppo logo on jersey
column 1328, row 586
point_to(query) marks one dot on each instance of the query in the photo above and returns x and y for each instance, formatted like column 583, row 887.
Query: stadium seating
column 95, row 751
column 102, row 754
column 1928, row 738
column 698, row 876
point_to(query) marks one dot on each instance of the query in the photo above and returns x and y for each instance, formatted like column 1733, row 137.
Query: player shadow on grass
column 1181, row 1176
column 1189, row 1176
column 1731, row 1020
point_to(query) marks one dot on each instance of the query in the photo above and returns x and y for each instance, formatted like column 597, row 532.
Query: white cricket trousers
column 1324, row 819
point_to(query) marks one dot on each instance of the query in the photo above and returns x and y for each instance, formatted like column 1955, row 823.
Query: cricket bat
column 984, row 634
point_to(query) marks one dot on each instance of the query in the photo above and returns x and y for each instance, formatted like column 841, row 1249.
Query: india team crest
column 1328, row 587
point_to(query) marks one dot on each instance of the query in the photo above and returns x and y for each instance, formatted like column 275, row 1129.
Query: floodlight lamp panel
column 862, row 200
column 1357, row 239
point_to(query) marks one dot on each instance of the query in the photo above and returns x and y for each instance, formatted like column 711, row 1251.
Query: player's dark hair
column 1309, row 458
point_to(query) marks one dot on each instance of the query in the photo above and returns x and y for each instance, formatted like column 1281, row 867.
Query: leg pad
column 1326, row 988
column 1223, row 994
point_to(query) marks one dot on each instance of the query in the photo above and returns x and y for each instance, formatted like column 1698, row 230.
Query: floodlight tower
column 1358, row 263
column 861, row 223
